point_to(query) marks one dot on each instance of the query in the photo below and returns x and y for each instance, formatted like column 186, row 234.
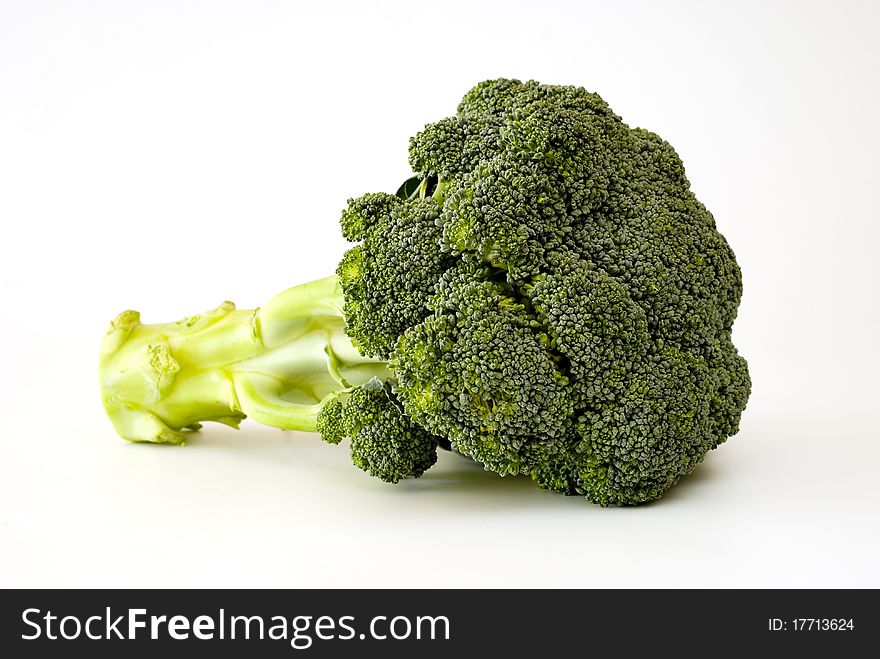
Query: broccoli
column 545, row 296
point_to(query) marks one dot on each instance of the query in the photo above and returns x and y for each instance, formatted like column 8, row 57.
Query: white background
column 165, row 156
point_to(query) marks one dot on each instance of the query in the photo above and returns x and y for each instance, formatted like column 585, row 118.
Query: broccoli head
column 545, row 296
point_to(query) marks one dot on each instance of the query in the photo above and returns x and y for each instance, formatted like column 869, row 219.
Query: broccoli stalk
column 279, row 364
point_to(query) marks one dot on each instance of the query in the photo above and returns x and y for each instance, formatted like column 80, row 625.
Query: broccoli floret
column 384, row 441
column 593, row 325
column 386, row 277
column 545, row 296
column 481, row 375
column 508, row 216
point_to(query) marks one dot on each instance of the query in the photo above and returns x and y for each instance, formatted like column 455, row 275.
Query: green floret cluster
column 545, row 296
column 384, row 441
column 573, row 320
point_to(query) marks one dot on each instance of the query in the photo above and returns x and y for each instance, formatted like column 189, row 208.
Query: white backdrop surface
column 165, row 156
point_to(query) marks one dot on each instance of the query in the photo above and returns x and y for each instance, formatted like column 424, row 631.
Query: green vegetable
column 545, row 296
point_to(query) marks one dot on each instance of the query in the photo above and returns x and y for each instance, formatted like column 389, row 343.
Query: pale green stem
column 278, row 364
